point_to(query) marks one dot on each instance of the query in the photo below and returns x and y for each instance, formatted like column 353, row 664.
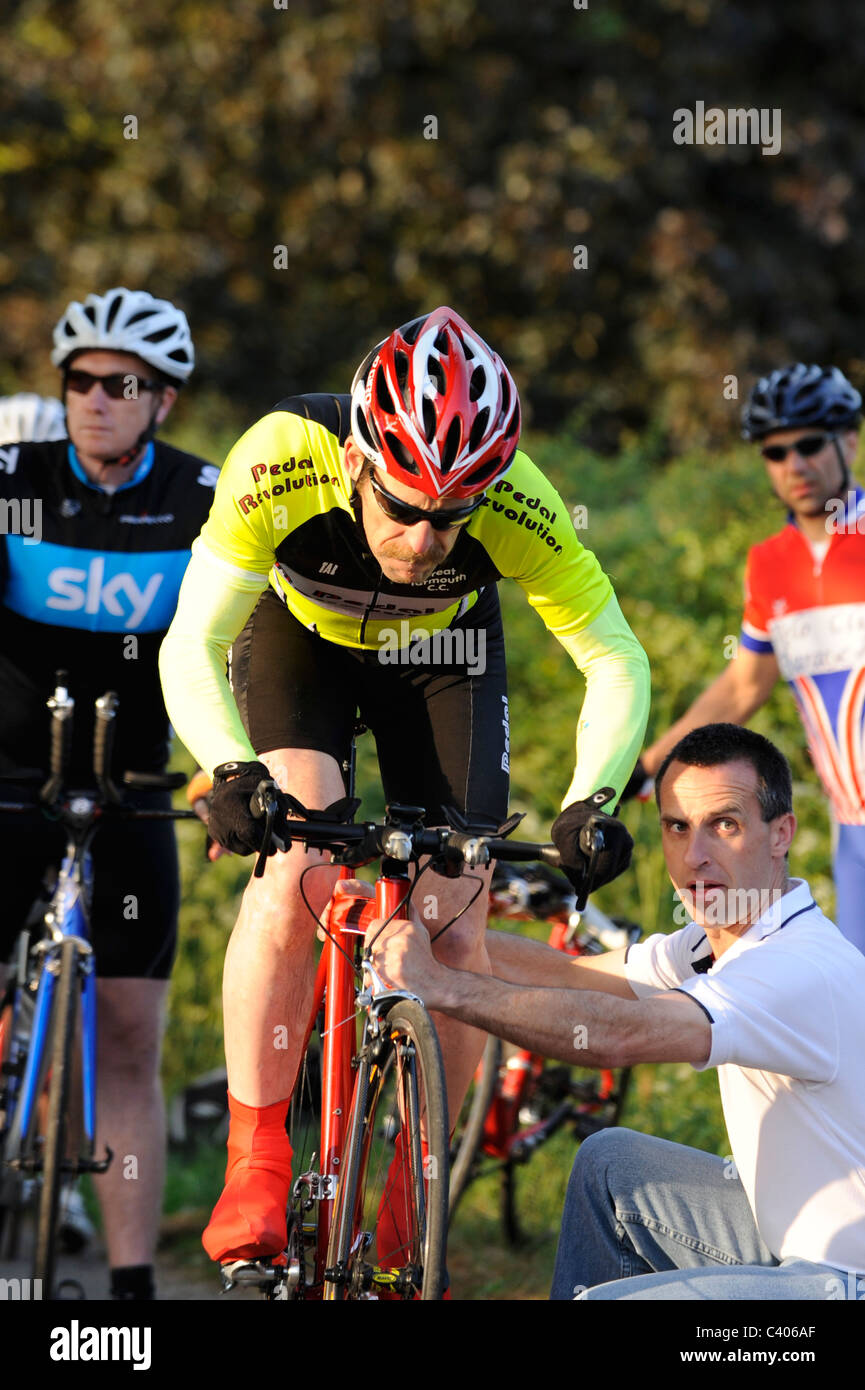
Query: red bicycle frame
column 522, row 1069
column 346, row 919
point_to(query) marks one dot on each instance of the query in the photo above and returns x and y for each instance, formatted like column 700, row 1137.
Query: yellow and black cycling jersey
column 282, row 509
column 282, row 515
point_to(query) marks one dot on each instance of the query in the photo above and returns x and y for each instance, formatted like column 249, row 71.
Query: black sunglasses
column 397, row 510
column 117, row 385
column 805, row 447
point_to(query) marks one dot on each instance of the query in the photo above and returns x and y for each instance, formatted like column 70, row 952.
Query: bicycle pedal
column 255, row 1272
column 69, row 1291
column 260, row 1274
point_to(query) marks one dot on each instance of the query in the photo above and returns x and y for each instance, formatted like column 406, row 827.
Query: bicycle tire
column 391, row 1195
column 11, row 1181
column 54, row 1152
column 303, row 1124
column 17, row 1189
column 469, row 1129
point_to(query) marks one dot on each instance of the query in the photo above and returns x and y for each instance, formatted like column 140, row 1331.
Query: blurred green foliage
column 302, row 177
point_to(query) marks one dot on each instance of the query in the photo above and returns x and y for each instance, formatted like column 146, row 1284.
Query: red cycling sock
column 248, row 1221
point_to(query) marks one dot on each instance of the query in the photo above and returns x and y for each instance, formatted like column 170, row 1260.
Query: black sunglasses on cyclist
column 406, row 515
column 117, row 385
column 805, row 447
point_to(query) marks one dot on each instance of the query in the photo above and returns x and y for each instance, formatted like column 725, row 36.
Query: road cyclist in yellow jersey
column 350, row 564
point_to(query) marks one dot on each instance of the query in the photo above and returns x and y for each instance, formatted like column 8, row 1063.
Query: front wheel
column 54, row 1153
column 390, row 1228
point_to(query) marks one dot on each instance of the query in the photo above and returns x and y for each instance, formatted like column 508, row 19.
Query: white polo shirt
column 787, row 1008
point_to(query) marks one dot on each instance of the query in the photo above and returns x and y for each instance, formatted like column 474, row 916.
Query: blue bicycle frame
column 68, row 916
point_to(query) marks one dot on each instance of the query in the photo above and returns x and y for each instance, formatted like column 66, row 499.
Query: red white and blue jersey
column 806, row 603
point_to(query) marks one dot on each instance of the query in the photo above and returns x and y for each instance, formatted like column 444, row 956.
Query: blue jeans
column 647, row 1219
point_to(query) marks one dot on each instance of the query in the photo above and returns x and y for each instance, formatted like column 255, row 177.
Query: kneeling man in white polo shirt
column 759, row 984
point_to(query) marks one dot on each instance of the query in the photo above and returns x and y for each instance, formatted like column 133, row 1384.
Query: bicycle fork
column 339, row 1079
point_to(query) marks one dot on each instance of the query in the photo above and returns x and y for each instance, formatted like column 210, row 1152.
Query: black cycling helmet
column 800, row 395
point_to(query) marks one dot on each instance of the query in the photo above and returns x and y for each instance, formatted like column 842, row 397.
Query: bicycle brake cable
column 406, row 901
column 308, row 905
column 478, row 891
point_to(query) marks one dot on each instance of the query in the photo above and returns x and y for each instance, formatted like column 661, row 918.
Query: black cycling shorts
column 440, row 724
column 136, row 895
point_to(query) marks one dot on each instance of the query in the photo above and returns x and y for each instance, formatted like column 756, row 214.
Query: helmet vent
column 400, row 453
column 479, row 428
column 366, row 429
column 486, row 470
column 383, row 396
column 435, row 372
column 113, row 311
column 401, row 364
column 411, row 330
column 429, row 419
column 477, row 383
column 441, row 342
column 452, row 445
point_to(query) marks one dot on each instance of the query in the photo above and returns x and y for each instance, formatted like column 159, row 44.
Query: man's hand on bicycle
column 230, row 820
column 401, row 954
column 572, row 834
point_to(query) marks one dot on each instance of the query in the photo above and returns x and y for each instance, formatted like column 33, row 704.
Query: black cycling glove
column 612, row 860
column 636, row 782
column 231, row 822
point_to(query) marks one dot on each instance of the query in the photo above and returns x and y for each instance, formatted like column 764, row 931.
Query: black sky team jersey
column 88, row 584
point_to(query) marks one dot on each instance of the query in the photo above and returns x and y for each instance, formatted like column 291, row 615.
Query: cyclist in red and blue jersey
column 804, row 613
column 95, row 534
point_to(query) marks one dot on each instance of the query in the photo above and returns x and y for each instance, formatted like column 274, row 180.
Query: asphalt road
column 175, row 1281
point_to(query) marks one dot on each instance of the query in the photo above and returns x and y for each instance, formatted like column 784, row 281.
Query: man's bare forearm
column 581, row 1026
column 526, row 962
column 575, row 1025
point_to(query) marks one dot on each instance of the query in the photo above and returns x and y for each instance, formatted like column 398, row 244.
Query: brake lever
column 592, row 845
column 265, row 802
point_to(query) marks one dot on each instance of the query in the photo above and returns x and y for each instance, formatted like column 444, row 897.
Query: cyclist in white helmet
column 118, row 512
column 26, row 417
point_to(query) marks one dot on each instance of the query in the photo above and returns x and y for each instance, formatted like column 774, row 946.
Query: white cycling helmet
column 127, row 321
column 27, row 418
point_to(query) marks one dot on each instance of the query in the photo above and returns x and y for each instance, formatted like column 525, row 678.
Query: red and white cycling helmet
column 435, row 407
column 133, row 321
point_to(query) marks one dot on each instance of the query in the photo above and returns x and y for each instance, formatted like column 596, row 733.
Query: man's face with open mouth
column 726, row 863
